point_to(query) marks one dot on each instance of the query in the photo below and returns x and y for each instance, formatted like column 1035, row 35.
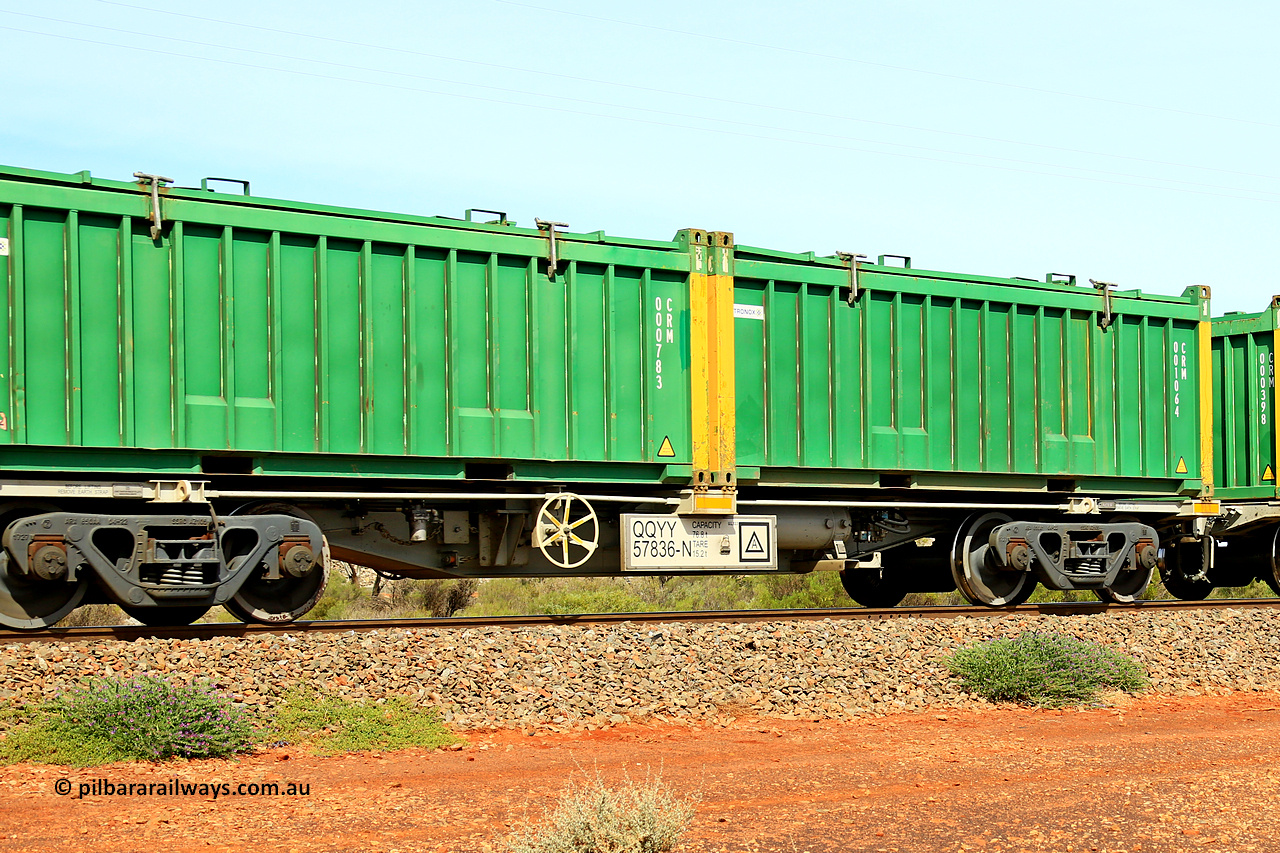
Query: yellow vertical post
column 722, row 364
column 711, row 377
column 1206, row 397
column 700, row 376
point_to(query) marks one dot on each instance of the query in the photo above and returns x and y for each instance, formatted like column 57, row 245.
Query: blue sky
column 1129, row 141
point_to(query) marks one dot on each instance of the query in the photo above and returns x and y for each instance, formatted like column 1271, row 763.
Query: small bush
column 592, row 818
column 144, row 719
column 344, row 599
column 1049, row 670
column 94, row 614
column 339, row 725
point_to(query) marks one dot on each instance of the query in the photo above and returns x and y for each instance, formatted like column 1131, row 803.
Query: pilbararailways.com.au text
column 176, row 787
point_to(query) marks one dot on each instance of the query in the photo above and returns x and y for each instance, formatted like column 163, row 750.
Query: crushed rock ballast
column 565, row 677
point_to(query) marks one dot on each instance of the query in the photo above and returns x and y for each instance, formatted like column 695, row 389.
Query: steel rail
column 209, row 630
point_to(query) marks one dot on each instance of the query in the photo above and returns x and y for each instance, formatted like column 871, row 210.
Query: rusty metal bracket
column 1105, row 288
column 156, row 181
column 852, row 259
column 550, row 228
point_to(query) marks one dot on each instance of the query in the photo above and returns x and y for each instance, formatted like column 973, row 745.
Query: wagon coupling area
column 165, row 569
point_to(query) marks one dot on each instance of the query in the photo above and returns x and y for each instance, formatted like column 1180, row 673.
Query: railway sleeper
column 162, row 569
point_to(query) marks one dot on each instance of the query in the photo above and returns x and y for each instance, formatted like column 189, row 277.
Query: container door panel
column 588, row 357
column 340, row 342
column 299, row 339
column 429, row 355
column 880, row 380
column 151, row 341
column 471, row 338
column 750, row 365
column 814, row 337
column 623, row 303
column 45, row 320
column 204, row 325
column 667, row 370
column 251, row 342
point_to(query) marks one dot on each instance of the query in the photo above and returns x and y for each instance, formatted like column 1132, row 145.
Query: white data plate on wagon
column 699, row 542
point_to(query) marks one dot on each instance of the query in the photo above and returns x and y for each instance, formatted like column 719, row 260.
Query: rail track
column 242, row 629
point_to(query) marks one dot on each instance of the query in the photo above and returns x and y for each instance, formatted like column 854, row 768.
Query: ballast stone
column 561, row 676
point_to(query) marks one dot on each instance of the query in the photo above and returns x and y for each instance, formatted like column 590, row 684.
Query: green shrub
column 1050, row 670
column 797, row 592
column 553, row 596
column 522, row 596
column 143, row 719
column 94, row 614
column 592, row 818
column 339, row 725
column 404, row 598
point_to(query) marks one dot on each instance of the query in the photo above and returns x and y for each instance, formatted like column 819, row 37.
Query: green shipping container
column 273, row 338
column 1244, row 407
column 934, row 379
column 267, row 337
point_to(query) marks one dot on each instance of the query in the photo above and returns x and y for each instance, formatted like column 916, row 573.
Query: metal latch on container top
column 852, row 259
column 156, row 181
column 1105, row 288
column 550, row 228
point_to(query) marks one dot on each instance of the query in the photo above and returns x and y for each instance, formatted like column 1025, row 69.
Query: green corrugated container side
column 963, row 381
column 1244, row 407
column 328, row 341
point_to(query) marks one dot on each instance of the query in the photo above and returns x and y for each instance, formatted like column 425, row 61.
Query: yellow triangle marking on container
column 1268, row 475
column 1182, row 466
column 666, row 449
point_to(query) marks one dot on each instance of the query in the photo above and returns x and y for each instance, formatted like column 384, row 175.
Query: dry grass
column 636, row 817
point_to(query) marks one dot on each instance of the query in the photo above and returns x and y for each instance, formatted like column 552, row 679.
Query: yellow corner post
column 723, row 387
column 1206, row 396
column 712, row 389
column 699, row 357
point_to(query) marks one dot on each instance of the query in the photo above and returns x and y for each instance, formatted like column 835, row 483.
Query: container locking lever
column 156, row 181
column 1105, row 287
column 550, row 228
column 852, row 259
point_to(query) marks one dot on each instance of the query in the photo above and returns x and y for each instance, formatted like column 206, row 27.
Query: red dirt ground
column 1158, row 774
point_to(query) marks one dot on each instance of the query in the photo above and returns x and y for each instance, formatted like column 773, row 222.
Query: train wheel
column 873, row 587
column 262, row 599
column 1261, row 552
column 32, row 603
column 166, row 617
column 1132, row 580
column 1180, row 560
column 29, row 602
column 1272, row 577
column 978, row 575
